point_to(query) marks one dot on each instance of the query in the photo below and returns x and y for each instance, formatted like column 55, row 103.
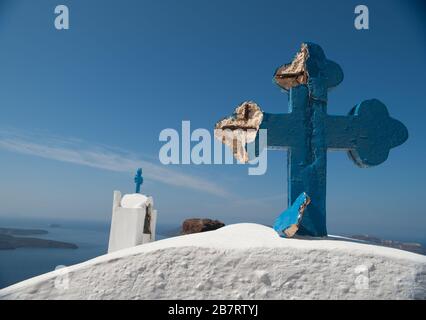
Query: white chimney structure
column 133, row 221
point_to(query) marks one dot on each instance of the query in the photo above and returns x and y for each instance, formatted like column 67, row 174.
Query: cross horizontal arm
column 282, row 130
column 368, row 133
column 341, row 132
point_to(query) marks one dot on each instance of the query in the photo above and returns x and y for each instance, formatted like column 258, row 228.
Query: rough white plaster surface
column 241, row 261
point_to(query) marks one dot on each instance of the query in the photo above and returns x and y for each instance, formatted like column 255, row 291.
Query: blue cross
column 138, row 180
column 307, row 131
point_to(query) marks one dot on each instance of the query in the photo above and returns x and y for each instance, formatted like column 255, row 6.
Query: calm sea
column 23, row 263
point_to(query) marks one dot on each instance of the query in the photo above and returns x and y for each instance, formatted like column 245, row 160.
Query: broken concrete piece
column 287, row 224
column 240, row 128
column 293, row 74
column 309, row 67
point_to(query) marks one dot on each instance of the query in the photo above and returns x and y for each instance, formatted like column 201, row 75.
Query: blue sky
column 81, row 109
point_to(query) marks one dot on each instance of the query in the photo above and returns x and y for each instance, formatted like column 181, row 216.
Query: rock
column 200, row 225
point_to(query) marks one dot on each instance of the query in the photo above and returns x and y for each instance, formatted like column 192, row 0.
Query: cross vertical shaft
column 307, row 161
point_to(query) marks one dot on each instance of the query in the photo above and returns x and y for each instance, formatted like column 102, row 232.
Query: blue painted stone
column 292, row 216
column 367, row 133
column 138, row 180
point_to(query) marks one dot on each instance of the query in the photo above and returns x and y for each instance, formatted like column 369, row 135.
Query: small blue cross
column 138, row 180
column 367, row 133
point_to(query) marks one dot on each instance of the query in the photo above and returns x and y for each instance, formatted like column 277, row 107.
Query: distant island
column 12, row 238
column 407, row 246
column 22, row 232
